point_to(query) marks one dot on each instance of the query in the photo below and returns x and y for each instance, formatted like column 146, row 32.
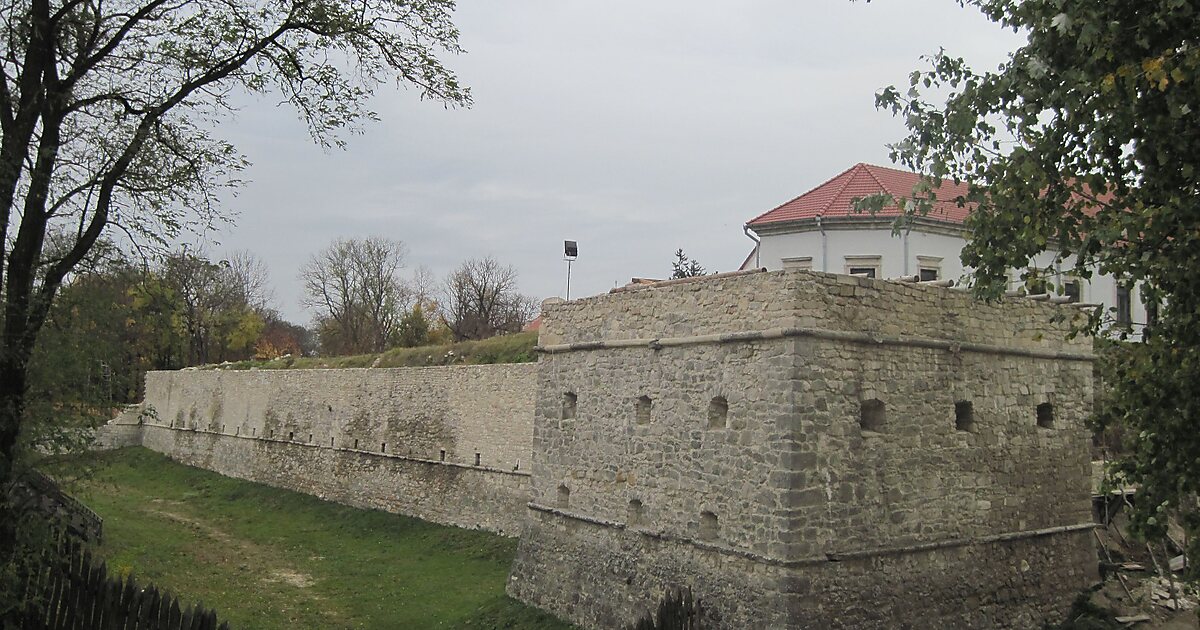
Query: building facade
column 821, row 231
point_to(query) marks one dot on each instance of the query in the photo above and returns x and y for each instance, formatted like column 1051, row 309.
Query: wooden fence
column 66, row 591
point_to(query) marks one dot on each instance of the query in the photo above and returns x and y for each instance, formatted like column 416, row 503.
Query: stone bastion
column 805, row 450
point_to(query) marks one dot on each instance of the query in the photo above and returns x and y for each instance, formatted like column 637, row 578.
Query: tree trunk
column 12, row 403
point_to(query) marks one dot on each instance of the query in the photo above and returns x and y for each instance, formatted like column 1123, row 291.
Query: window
column 642, row 409
column 929, row 268
column 964, row 416
column 798, row 262
column 634, row 515
column 1124, row 306
column 868, row 266
column 718, row 413
column 477, row 458
column 1034, row 285
column 570, row 400
column 872, row 416
column 564, row 497
column 708, row 526
column 1045, row 415
column 1071, row 290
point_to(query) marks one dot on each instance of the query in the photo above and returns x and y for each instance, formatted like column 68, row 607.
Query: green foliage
column 413, row 329
column 269, row 558
column 1085, row 143
column 107, row 118
column 685, row 267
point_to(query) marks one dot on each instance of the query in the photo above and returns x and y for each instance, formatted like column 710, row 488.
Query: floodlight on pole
column 570, row 253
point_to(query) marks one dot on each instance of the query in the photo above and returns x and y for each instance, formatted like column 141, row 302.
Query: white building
column 820, row 230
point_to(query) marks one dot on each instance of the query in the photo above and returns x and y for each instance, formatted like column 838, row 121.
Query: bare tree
column 481, row 300
column 356, row 288
column 251, row 280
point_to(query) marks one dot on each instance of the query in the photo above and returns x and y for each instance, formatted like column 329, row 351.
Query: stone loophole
column 442, row 454
column 291, row 435
column 872, row 415
column 476, row 459
column 383, row 447
column 964, row 416
column 634, row 517
column 708, row 526
column 569, row 403
column 718, row 413
column 642, row 408
column 1045, row 415
column 564, row 497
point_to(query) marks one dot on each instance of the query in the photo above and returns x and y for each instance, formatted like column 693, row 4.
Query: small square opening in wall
column 634, row 514
column 642, row 409
column 718, row 413
column 569, row 403
column 708, row 526
column 964, row 416
column 1045, row 415
column 872, row 415
column 564, row 497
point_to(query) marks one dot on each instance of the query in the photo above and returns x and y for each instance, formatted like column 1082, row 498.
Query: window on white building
column 929, row 268
column 868, row 266
column 798, row 262
column 1124, row 305
column 1071, row 289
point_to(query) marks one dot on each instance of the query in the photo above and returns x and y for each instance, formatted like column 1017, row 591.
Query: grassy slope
column 269, row 558
column 515, row 348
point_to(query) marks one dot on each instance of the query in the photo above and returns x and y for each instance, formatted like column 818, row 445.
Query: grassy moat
column 268, row 558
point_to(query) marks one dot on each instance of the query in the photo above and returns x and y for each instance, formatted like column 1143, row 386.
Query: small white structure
column 820, row 230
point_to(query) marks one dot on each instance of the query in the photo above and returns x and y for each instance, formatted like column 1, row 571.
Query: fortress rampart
column 447, row 444
column 809, row 451
column 802, row 450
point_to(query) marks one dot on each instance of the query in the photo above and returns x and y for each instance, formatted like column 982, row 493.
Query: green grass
column 515, row 348
column 269, row 558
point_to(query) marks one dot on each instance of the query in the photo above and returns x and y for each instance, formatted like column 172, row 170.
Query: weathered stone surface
column 803, row 450
column 756, row 469
column 447, row 444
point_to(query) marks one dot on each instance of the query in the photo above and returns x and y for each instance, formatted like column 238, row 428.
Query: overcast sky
column 633, row 127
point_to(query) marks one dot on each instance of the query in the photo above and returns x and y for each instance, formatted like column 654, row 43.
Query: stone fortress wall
column 809, row 451
column 446, row 444
column 803, row 450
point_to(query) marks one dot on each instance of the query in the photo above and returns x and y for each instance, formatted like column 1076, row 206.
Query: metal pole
column 568, row 279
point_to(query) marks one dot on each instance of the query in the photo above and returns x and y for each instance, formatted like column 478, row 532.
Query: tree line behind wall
column 117, row 317
column 364, row 302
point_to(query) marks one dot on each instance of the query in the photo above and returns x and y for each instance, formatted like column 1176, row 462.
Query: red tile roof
column 835, row 197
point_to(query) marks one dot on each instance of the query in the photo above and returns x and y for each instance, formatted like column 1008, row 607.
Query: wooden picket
column 68, row 591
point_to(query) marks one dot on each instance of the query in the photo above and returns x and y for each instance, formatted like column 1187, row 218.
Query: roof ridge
column 856, row 167
column 811, row 190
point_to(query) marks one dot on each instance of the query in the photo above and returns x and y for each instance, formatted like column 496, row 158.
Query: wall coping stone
column 816, row 333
